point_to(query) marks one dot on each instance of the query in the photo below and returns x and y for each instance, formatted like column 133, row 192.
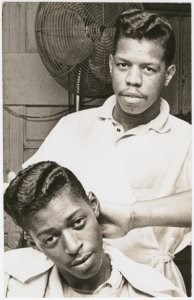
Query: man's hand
column 115, row 220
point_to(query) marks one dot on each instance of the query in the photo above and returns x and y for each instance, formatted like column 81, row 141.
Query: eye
column 149, row 70
column 50, row 241
column 122, row 66
column 79, row 223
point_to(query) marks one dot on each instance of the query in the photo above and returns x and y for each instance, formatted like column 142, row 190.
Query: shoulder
column 26, row 273
column 25, row 263
column 90, row 115
column 80, row 115
column 76, row 122
column 153, row 282
column 23, row 253
column 181, row 133
column 19, row 253
column 179, row 124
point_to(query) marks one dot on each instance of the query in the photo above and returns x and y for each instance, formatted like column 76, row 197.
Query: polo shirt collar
column 160, row 124
column 106, row 110
column 114, row 280
column 39, row 263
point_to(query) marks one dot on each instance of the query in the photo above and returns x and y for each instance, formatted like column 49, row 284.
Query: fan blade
column 65, row 36
column 99, row 62
column 104, row 14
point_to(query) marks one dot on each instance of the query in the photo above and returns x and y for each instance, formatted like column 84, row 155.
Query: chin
column 133, row 111
column 87, row 274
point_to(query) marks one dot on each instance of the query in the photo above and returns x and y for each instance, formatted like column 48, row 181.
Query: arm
column 174, row 210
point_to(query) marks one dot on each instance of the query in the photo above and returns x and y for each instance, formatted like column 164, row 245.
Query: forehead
column 140, row 48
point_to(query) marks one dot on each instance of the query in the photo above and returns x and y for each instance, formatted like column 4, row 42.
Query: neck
column 129, row 121
column 90, row 284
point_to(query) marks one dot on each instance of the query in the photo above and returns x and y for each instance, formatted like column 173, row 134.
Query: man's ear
column 94, row 203
column 169, row 74
column 110, row 63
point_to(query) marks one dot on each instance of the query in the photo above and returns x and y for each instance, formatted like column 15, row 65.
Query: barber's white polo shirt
column 146, row 162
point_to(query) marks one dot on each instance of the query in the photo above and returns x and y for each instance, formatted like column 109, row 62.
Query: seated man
column 50, row 204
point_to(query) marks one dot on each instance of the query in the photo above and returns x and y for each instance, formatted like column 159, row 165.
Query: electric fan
column 74, row 41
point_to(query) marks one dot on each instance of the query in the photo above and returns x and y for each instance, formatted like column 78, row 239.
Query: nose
column 134, row 76
column 72, row 243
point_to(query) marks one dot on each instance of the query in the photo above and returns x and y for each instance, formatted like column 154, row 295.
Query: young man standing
column 49, row 202
column 131, row 148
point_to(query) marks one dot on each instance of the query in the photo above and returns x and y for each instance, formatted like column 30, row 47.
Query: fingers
column 112, row 231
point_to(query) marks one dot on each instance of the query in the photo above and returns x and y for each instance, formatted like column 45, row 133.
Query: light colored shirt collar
column 114, row 280
column 110, row 287
column 160, row 124
column 39, row 264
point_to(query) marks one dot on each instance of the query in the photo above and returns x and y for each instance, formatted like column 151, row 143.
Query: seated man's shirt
column 29, row 273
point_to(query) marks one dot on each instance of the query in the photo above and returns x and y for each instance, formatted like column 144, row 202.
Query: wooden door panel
column 27, row 82
column 186, row 67
column 172, row 92
column 13, row 140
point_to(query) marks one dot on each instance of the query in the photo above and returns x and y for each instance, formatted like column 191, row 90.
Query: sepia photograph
column 97, row 149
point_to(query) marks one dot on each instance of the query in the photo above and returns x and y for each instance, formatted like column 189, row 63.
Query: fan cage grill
column 74, row 41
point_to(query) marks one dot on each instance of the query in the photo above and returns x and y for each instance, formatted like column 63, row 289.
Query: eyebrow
column 120, row 58
column 67, row 220
column 128, row 61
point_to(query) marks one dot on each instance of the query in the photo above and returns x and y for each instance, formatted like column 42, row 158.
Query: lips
column 81, row 260
column 132, row 95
